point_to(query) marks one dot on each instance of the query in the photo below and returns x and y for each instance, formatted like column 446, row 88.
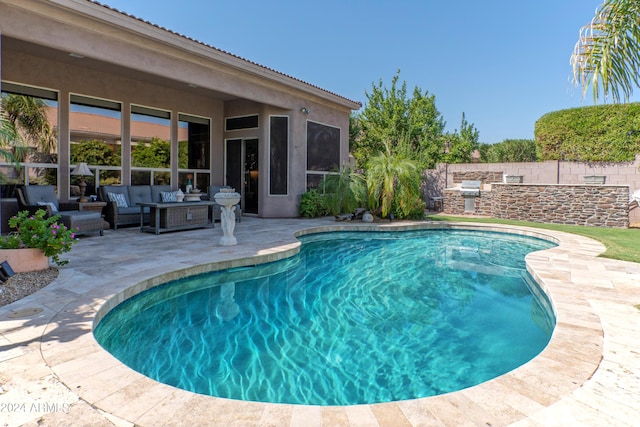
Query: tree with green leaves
column 96, row 152
column 461, row 144
column 607, row 54
column 509, row 150
column 155, row 154
column 408, row 125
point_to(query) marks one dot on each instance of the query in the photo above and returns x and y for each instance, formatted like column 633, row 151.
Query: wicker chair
column 34, row 197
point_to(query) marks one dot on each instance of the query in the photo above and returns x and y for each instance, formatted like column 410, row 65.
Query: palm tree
column 28, row 116
column 607, row 54
column 11, row 144
column 393, row 183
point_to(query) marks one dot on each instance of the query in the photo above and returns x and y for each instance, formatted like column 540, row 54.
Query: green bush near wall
column 601, row 133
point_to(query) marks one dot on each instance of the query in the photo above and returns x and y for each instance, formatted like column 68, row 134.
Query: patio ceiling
column 64, row 57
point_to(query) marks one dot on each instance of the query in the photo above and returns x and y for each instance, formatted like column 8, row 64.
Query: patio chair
column 34, row 197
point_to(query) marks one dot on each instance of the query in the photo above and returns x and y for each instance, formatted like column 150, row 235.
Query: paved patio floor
column 53, row 372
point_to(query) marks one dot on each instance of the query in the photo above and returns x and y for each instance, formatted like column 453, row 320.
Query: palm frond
column 607, row 54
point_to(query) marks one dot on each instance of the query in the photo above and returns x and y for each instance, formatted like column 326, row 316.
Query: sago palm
column 607, row 54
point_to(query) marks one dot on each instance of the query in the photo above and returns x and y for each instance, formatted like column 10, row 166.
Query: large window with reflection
column 323, row 152
column 33, row 114
column 96, row 139
column 194, row 151
column 150, row 146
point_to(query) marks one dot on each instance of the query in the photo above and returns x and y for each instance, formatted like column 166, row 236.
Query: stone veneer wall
column 589, row 205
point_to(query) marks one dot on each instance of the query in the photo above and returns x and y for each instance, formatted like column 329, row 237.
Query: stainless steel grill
column 470, row 188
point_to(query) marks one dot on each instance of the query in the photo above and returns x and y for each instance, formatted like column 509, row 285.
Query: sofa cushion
column 139, row 194
column 34, row 194
column 119, row 198
column 117, row 189
column 156, row 191
column 169, row 196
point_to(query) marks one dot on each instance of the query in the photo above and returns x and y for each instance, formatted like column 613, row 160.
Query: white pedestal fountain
column 227, row 198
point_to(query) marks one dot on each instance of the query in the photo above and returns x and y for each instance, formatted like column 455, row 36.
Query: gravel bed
column 21, row 285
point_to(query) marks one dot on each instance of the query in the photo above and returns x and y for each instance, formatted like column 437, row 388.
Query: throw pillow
column 168, row 196
column 119, row 198
column 54, row 209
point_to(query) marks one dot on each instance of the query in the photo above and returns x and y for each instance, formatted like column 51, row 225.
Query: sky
column 503, row 63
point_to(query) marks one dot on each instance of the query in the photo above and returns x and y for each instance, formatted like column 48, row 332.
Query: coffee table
column 174, row 216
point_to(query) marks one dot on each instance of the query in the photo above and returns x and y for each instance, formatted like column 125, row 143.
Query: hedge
column 601, row 133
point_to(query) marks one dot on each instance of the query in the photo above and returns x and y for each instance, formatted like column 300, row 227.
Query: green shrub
column 601, row 133
column 312, row 205
column 509, row 150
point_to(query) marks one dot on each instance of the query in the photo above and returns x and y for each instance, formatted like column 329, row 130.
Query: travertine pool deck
column 53, row 372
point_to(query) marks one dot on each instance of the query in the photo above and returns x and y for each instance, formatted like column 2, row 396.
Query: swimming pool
column 354, row 318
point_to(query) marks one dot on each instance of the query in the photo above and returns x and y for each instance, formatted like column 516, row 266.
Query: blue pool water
column 354, row 318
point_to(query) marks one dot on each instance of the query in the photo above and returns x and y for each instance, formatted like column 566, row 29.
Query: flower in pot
column 39, row 232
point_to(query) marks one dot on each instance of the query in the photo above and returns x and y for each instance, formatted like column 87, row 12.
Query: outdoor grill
column 470, row 188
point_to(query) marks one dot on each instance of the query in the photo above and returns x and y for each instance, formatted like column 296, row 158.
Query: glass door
column 242, row 171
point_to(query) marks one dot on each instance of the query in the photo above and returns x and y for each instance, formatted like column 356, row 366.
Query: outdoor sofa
column 122, row 202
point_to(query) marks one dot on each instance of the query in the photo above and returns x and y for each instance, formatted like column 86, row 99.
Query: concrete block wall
column 548, row 172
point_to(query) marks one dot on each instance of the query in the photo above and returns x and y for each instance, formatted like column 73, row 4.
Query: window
column 278, row 154
column 150, row 146
column 194, row 151
column 96, row 139
column 33, row 112
column 323, row 151
column 244, row 122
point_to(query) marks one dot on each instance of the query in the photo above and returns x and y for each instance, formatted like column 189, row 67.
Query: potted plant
column 36, row 236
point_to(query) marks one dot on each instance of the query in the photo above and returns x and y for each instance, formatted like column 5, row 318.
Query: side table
column 94, row 207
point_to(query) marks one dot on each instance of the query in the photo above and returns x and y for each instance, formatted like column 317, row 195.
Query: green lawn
column 622, row 244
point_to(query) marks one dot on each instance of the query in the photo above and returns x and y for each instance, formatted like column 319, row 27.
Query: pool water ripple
column 354, row 318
